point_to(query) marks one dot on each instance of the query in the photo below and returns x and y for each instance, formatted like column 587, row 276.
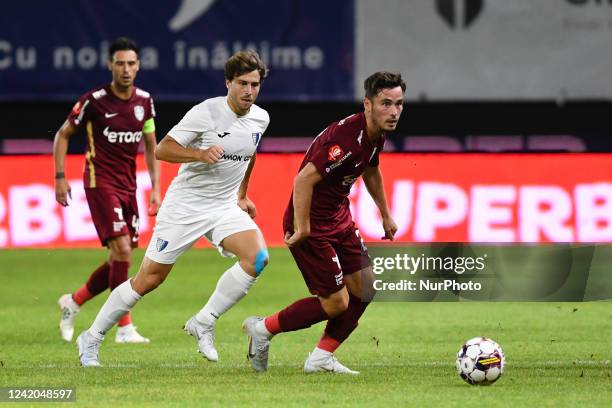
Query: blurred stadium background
column 505, row 137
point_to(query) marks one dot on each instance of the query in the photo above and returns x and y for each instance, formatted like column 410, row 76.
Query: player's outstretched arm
column 171, row 151
column 303, row 186
column 154, row 172
column 374, row 183
column 60, row 148
column 244, row 202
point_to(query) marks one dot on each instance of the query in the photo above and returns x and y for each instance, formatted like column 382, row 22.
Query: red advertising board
column 433, row 197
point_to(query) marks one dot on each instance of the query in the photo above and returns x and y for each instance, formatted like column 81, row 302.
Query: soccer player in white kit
column 216, row 141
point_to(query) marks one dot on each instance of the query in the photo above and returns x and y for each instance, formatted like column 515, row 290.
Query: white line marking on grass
column 408, row 364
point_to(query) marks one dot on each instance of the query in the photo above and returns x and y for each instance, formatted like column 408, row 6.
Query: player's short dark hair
column 382, row 80
column 122, row 44
column 244, row 62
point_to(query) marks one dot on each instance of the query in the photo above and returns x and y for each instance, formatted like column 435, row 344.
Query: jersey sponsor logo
column 334, row 152
column 338, row 163
column 235, row 157
column 348, row 181
column 256, row 137
column 139, row 112
column 110, row 115
column 160, row 244
column 222, row 135
column 122, row 137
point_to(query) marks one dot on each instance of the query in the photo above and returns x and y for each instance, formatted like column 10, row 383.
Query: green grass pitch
column 558, row 354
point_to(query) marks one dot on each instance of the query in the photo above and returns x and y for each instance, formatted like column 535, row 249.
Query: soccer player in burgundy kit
column 321, row 234
column 116, row 117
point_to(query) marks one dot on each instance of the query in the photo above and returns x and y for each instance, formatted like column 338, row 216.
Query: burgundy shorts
column 324, row 261
column 113, row 213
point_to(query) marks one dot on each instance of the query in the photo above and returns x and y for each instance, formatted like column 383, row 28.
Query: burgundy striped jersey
column 114, row 129
column 340, row 153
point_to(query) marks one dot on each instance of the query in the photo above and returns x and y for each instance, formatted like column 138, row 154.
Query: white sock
column 262, row 330
column 120, row 301
column 319, row 353
column 232, row 286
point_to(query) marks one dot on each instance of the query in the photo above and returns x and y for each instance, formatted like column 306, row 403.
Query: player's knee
column 261, row 261
column 121, row 251
column 255, row 263
column 336, row 304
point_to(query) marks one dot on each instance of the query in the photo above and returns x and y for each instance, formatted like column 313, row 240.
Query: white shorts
column 169, row 241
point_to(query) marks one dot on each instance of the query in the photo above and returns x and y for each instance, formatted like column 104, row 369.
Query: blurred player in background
column 321, row 234
column 115, row 117
column 216, row 141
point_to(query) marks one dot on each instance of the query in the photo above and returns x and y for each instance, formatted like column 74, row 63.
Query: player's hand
column 212, row 154
column 154, row 202
column 247, row 206
column 390, row 228
column 62, row 192
column 296, row 239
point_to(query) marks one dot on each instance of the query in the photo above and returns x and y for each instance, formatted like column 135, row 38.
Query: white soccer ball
column 480, row 361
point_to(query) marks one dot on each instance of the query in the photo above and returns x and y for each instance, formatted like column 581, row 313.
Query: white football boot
column 69, row 310
column 324, row 361
column 259, row 344
column 205, row 336
column 128, row 334
column 89, row 350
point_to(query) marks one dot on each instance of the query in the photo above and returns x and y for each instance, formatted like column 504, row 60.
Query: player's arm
column 171, row 151
column 374, row 183
column 245, row 202
column 152, row 165
column 303, row 186
column 60, row 148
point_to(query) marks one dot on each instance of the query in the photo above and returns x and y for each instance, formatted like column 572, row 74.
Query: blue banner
column 56, row 50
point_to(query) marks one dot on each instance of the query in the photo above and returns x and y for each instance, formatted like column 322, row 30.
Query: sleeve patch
column 334, row 152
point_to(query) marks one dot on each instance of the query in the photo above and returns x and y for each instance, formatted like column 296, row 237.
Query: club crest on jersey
column 139, row 112
column 334, row 152
column 256, row 137
column 161, row 244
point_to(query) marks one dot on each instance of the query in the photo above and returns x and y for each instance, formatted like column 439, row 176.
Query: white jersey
column 199, row 186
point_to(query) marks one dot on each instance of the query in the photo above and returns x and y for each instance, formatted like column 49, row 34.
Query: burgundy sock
column 82, row 295
column 125, row 320
column 97, row 282
column 118, row 273
column 340, row 327
column 301, row 314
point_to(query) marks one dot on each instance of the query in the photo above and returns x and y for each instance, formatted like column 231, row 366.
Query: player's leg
column 120, row 302
column 120, row 260
column 101, row 203
column 359, row 281
column 236, row 234
column 167, row 244
column 319, row 265
column 71, row 303
column 235, row 282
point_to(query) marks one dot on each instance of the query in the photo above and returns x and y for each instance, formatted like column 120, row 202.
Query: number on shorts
column 119, row 212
